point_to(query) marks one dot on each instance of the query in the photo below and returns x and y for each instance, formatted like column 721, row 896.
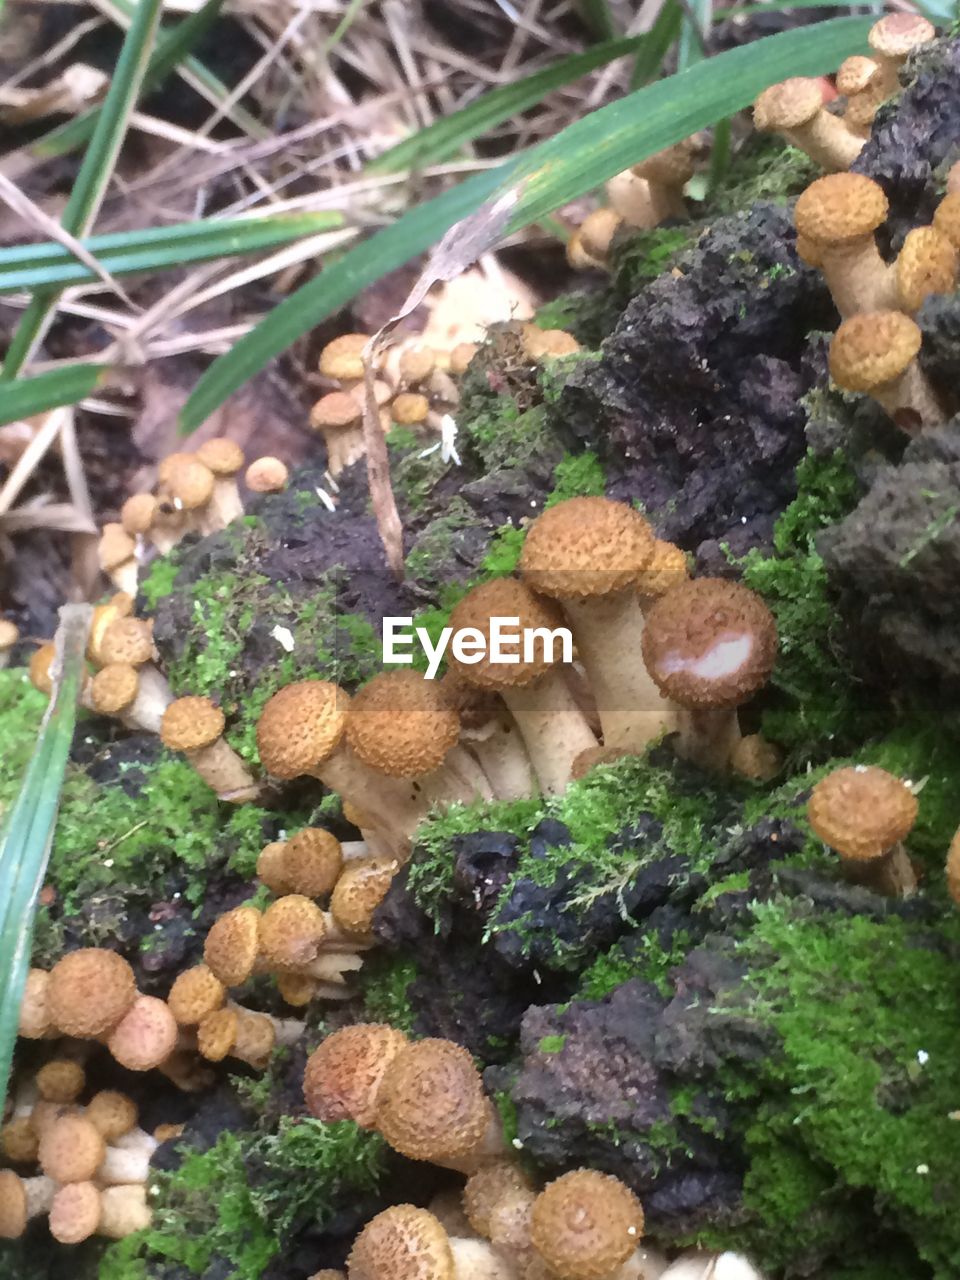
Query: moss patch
column 763, row 169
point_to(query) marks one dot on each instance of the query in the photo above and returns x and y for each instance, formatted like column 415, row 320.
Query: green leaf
column 660, row 37
column 157, row 248
column 578, row 159
column 27, row 396
column 95, row 171
column 447, row 136
column 28, row 833
column 596, row 14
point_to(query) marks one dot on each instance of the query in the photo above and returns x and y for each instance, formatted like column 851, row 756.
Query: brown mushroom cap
column 401, row 1243
column 409, row 408
column 840, row 209
column 34, row 1009
column 431, row 1104
column 221, row 456
column 486, row 1188
column 138, row 513
column 71, row 1149
column 872, row 349
column 89, row 991
column 666, row 568
column 539, row 344
column 41, row 668
column 788, row 105
column 195, row 993
column 946, row 219
column 190, row 483
column 897, row 34
column 270, row 868
column 312, row 860
column 168, row 465
column 359, row 891
column 417, row 363
column 301, row 726
column 952, row 869
column 597, row 231
column 232, row 945
column 13, row 1205
column 336, row 410
column 585, row 1224
column 926, row 264
column 217, row 1034
column 127, row 640
column 709, row 643
column 111, row 1113
column 19, row 1140
column 266, row 475
column 189, row 724
column 114, row 688
column 855, row 74
column 292, row 930
column 586, row 547
column 75, row 1212
column 344, row 1072
column 861, row 811
column 343, row 357
column 461, row 355
column 504, row 598
column 402, row 724
column 297, row 989
column 115, row 547
column 61, row 1080
column 145, row 1036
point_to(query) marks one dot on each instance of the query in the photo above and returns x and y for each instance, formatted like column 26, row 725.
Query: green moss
column 551, row 1044
column 763, row 169
column 577, row 475
column 21, row 711
column 641, row 256
column 589, row 314
column 642, row 955
column 384, row 984
column 160, row 580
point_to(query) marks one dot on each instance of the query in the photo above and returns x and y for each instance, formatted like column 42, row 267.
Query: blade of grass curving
column 28, row 832
column 692, row 46
column 27, row 396
column 596, row 14
column 658, row 41
column 156, row 249
column 446, row 136
column 578, row 159
column 95, row 171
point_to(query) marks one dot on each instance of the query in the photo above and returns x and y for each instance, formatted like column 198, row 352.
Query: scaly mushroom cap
column 335, row 411
column 256, row 1038
column 71, row 1149
column 486, row 1188
column 873, row 348
column 504, row 598
column 145, row 1036
column 168, row 465
column 115, row 547
column 672, row 167
column 270, row 868
column 232, row 945
column 401, row 1243
column 409, row 408
column 89, row 991
column 585, row 1224
column 461, row 355
column 788, row 105
column 946, row 219
column 13, row 1205
column 709, row 643
column 343, row 357
column 417, row 363
column 861, row 811
column 926, row 264
column 195, row 993
column 359, row 891
column 61, row 1080
column 190, row 483
column 120, row 605
column 114, row 688
column 292, row 930
column 840, row 209
column 297, row 989
column 475, row 707
column 75, row 1212
column 597, row 231
column 897, row 34
column 34, row 1008
column 312, row 860
column 586, row 547
column 111, row 1113
column 301, row 726
column 855, row 74
column 138, row 513
column 344, row 1072
column 128, row 640
column 953, row 869
column 41, row 668
column 190, row 724
column 266, row 475
column 666, row 569
column 221, row 456
column 539, row 344
column 19, row 1140
column 431, row 1104
column 217, row 1034
column 401, row 724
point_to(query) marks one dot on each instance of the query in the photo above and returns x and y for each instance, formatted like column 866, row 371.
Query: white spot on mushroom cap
column 724, row 658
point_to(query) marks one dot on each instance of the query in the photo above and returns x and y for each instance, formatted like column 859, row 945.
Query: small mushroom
column 117, row 553
column 893, row 38
column 71, row 1149
column 224, row 459
column 338, row 416
column 865, row 814
column 266, row 475
column 145, row 1036
column 876, row 352
column 75, row 1212
column 343, row 1074
column 839, row 215
column 195, row 726
column 926, row 264
column 195, row 993
column 360, row 889
column 22, row 1199
column 491, row 735
column 795, row 110
column 585, row 1225
column 89, row 991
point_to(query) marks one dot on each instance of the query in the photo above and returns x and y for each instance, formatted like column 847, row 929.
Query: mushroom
column 952, row 868
column 116, row 552
column 195, row 993
column 926, row 264
column 491, row 735
column 128, row 640
column 946, row 218
column 865, row 814
column 361, row 888
column 553, row 727
column 35, row 1021
column 111, row 1113
column 127, row 1160
column 338, row 416
column 407, row 1243
column 22, row 1199
column 585, row 1224
column 498, row 1201
column 311, row 862
column 41, row 667
column 71, row 1149
column 431, row 1106
column 145, row 1036
column 231, row 949
column 589, row 554
column 861, row 82
column 19, row 1141
column 666, row 173
column 188, row 486
column 342, row 359
column 293, row 931
column 195, row 726
column 249, row 1037
column 138, row 698
column 123, row 1210
column 795, row 109
column 138, row 514
column 224, row 459
column 892, row 40
column 270, row 867
column 61, row 1080
column 9, row 635
column 120, row 605
column 266, row 475
column 755, row 758
column 401, row 724
column 711, row 1266
column 301, row 731
column 89, row 991
column 589, row 246
column 666, row 569
column 460, row 357
column 876, row 353
column 839, row 215
column 709, row 645
column 75, row 1212
column 542, row 344
column 344, row 1072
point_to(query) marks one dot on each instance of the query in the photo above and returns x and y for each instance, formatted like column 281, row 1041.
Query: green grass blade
column 657, row 44
column 27, row 396
column 28, row 832
column 156, row 249
column 596, row 14
column 691, row 47
column 578, row 159
column 95, row 171
column 445, row 137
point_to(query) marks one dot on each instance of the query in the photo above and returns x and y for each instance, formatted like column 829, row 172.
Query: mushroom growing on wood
column 407, row 1243
column 89, row 991
column 344, row 1072
column 876, row 353
column 195, row 726
column 360, row 889
column 338, row 417
column 266, row 475
column 71, row 1149
column 585, row 1224
column 311, row 862
column 589, row 554
column 138, row 698
column 490, row 733
column 839, row 215
column 795, row 109
column 893, row 38
column 709, row 645
column 224, row 458
column 195, row 993
column 926, row 264
column 145, row 1036
column 22, row 1199
column 75, row 1212
column 865, row 814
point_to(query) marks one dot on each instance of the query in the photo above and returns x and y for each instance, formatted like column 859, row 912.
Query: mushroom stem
column 499, row 750
column 891, row 874
column 912, row 392
column 553, row 727
column 707, row 735
column 608, row 631
column 827, row 140
column 395, row 810
column 477, row 1260
column 153, row 697
column 858, row 278
column 459, row 780
column 224, row 772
